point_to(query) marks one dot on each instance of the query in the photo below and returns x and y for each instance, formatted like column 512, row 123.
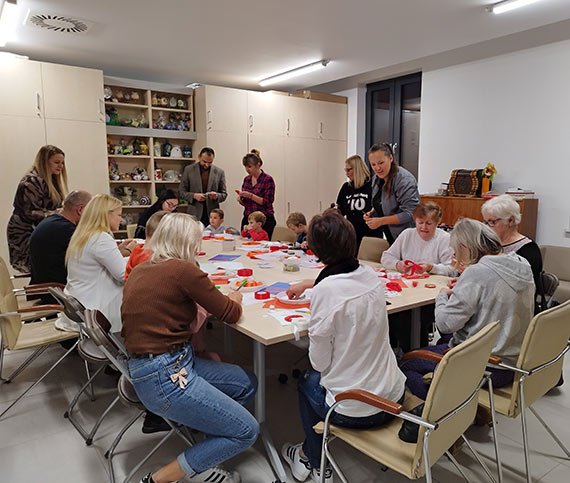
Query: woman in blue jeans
column 349, row 347
column 205, row 395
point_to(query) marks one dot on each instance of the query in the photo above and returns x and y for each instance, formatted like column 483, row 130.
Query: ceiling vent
column 58, row 23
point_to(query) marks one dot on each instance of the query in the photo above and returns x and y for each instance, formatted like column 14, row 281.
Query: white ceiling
column 237, row 42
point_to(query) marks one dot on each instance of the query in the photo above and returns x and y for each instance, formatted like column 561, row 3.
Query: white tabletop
column 257, row 324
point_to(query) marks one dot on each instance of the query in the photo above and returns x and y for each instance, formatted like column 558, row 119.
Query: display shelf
column 126, row 181
column 125, row 104
column 128, row 156
column 167, row 158
column 149, row 132
column 166, row 182
column 170, row 109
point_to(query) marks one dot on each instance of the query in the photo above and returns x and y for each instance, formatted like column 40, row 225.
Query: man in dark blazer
column 203, row 186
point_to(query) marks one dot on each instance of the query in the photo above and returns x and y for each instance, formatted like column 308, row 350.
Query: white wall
column 356, row 125
column 512, row 110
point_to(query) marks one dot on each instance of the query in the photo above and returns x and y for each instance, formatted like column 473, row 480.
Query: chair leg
column 494, row 421
column 524, row 431
column 87, row 373
column 95, row 428
column 69, row 411
column 41, row 378
column 427, row 465
column 478, row 458
column 148, row 456
column 457, row 465
column 111, row 451
column 541, row 421
column 38, row 352
column 1, row 358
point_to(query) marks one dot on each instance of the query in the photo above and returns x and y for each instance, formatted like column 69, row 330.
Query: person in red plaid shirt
column 257, row 192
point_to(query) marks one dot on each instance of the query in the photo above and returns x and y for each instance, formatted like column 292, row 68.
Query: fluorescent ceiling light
column 508, row 5
column 8, row 21
column 305, row 69
column 193, row 85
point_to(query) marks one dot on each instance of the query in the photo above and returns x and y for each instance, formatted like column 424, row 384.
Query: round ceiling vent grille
column 59, row 23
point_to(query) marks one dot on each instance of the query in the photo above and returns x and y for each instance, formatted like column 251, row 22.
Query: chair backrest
column 98, row 329
column 455, row 380
column 556, row 260
column 546, row 337
column 549, row 283
column 10, row 325
column 72, row 307
column 131, row 228
column 283, row 234
column 371, row 248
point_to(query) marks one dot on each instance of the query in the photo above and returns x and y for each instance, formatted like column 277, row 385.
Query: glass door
column 393, row 116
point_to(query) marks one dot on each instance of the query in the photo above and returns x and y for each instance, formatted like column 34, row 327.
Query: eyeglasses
column 492, row 223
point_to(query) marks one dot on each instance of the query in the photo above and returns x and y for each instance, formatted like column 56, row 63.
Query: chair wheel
column 88, row 441
column 66, row 414
column 296, row 373
column 283, row 378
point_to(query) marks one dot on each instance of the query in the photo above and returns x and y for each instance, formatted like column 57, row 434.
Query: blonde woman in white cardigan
column 95, row 263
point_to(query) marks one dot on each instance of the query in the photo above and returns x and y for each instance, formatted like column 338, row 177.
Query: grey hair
column 76, row 198
column 503, row 207
column 477, row 237
column 177, row 236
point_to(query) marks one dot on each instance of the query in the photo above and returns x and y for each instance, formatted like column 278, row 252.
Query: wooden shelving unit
column 145, row 114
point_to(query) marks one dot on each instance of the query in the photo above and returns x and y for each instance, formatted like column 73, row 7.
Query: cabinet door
column 272, row 149
column 333, row 119
column 20, row 138
column 226, row 110
column 230, row 149
column 73, row 93
column 266, row 113
column 303, row 117
column 331, row 156
column 84, row 145
column 300, row 176
column 20, row 88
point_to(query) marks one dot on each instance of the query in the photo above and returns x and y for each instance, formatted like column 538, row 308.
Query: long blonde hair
column 94, row 220
column 177, row 236
column 360, row 171
column 57, row 184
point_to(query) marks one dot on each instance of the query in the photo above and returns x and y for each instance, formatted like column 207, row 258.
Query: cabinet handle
column 101, row 107
column 209, row 116
column 321, row 128
column 320, row 206
column 251, row 122
column 288, row 125
column 38, row 104
column 288, row 207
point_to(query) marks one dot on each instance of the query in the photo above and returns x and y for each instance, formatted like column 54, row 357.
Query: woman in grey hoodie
column 494, row 286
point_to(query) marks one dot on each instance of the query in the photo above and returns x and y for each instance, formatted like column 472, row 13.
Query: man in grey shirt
column 203, row 186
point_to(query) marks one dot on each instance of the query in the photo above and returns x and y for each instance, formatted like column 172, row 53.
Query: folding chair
column 283, row 234
column 449, row 410
column 99, row 330
column 371, row 249
column 536, row 372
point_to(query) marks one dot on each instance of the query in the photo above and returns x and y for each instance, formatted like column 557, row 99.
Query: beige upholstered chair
column 537, row 371
column 131, row 230
column 557, row 261
column 371, row 249
column 283, row 234
column 449, row 410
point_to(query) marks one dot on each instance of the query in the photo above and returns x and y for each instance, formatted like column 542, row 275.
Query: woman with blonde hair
column 205, row 395
column 95, row 264
column 354, row 199
column 494, row 286
column 40, row 193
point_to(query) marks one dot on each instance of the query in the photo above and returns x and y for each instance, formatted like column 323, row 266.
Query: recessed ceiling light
column 508, row 5
column 305, row 69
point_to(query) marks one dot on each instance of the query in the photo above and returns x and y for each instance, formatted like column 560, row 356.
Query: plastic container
column 245, row 272
column 228, row 245
column 291, row 264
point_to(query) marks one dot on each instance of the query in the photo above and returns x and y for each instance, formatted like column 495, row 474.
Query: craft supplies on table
column 223, row 258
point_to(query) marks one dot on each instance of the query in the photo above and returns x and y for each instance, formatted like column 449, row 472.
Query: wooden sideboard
column 456, row 207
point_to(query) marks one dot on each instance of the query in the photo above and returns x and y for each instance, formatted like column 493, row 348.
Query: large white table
column 265, row 330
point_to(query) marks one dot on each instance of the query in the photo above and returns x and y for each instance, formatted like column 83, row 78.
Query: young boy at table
column 298, row 223
column 349, row 347
column 216, row 225
column 253, row 230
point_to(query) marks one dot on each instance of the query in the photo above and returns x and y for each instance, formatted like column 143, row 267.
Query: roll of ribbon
column 430, row 285
column 262, row 295
column 245, row 272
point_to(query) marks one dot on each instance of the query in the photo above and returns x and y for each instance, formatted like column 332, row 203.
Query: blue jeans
column 313, row 408
column 213, row 402
column 415, row 369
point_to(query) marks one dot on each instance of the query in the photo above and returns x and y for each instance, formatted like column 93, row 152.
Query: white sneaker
column 316, row 475
column 214, row 475
column 292, row 454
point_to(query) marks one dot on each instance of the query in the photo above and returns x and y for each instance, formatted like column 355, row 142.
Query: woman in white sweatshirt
column 348, row 343
column 494, row 286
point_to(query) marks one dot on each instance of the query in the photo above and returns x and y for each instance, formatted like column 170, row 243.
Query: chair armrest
column 21, row 275
column 495, row 360
column 42, row 287
column 41, row 308
column 371, row 399
column 423, row 354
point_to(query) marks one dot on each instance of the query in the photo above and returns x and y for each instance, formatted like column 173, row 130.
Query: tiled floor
column 38, row 445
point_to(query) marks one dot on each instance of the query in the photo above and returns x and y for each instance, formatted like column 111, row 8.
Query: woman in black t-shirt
column 355, row 197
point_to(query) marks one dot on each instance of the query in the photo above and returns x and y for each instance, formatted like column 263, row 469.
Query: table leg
column 259, row 411
column 416, row 328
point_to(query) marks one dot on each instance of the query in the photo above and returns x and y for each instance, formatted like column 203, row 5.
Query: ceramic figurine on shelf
column 181, row 104
column 156, row 148
column 108, row 93
column 120, row 96
column 144, row 200
column 118, row 149
column 176, row 151
column 154, row 99
column 171, row 175
column 139, row 174
column 113, row 170
column 137, row 147
column 127, row 97
column 166, row 148
column 135, row 97
column 158, row 174
column 110, row 146
column 164, row 101
column 144, row 149
column 187, row 151
column 172, row 103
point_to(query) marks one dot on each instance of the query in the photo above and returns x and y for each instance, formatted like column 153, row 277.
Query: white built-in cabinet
column 43, row 103
column 302, row 143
